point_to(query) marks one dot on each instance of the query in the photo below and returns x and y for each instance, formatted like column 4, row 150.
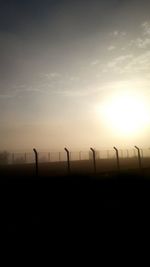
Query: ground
column 31, row 202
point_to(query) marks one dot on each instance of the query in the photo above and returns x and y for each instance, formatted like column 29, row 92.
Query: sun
column 126, row 112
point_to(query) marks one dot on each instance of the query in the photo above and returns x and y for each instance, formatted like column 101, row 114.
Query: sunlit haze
column 126, row 113
column 74, row 73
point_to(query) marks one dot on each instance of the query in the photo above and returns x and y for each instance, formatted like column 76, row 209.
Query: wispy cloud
column 74, row 78
column 111, row 47
column 139, row 63
column 129, row 64
column 6, row 96
column 117, row 61
column 117, row 33
column 140, row 42
column 95, row 62
column 18, row 91
column 146, row 27
column 52, row 75
column 72, row 93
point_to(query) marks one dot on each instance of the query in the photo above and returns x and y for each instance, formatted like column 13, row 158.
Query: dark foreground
column 31, row 204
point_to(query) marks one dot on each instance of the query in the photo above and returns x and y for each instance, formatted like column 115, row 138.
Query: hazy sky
column 59, row 60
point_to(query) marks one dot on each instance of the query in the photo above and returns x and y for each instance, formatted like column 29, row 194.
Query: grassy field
column 29, row 202
column 77, row 167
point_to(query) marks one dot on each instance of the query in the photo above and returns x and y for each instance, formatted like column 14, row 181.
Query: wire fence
column 28, row 157
column 52, row 163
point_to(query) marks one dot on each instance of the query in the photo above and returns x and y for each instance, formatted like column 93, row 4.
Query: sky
column 61, row 61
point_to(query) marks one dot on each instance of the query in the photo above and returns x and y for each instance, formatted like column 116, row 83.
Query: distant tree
column 4, row 156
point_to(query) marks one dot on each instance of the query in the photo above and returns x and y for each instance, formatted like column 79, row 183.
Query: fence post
column 117, row 157
column 36, row 161
column 94, row 159
column 68, row 159
column 25, row 157
column 139, row 157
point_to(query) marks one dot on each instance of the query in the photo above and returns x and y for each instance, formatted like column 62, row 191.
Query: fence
column 80, row 161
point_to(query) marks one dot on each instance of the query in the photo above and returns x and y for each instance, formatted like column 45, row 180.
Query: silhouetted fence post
column 36, row 161
column 94, row 159
column 117, row 157
column 139, row 157
column 68, row 159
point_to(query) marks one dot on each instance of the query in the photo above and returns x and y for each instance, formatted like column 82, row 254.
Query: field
column 31, row 201
column 77, row 167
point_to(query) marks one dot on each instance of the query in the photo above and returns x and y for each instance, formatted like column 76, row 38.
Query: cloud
column 17, row 91
column 74, row 78
column 6, row 96
column 139, row 63
column 27, row 89
column 72, row 93
column 129, row 64
column 95, row 62
column 111, row 47
column 117, row 33
column 51, row 75
column 143, row 40
column 55, row 74
column 118, row 60
column 140, row 43
column 146, row 27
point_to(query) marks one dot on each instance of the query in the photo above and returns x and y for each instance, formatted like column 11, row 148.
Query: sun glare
column 126, row 113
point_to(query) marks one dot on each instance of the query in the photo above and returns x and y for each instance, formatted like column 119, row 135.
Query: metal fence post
column 36, row 161
column 94, row 159
column 68, row 159
column 139, row 157
column 117, row 157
